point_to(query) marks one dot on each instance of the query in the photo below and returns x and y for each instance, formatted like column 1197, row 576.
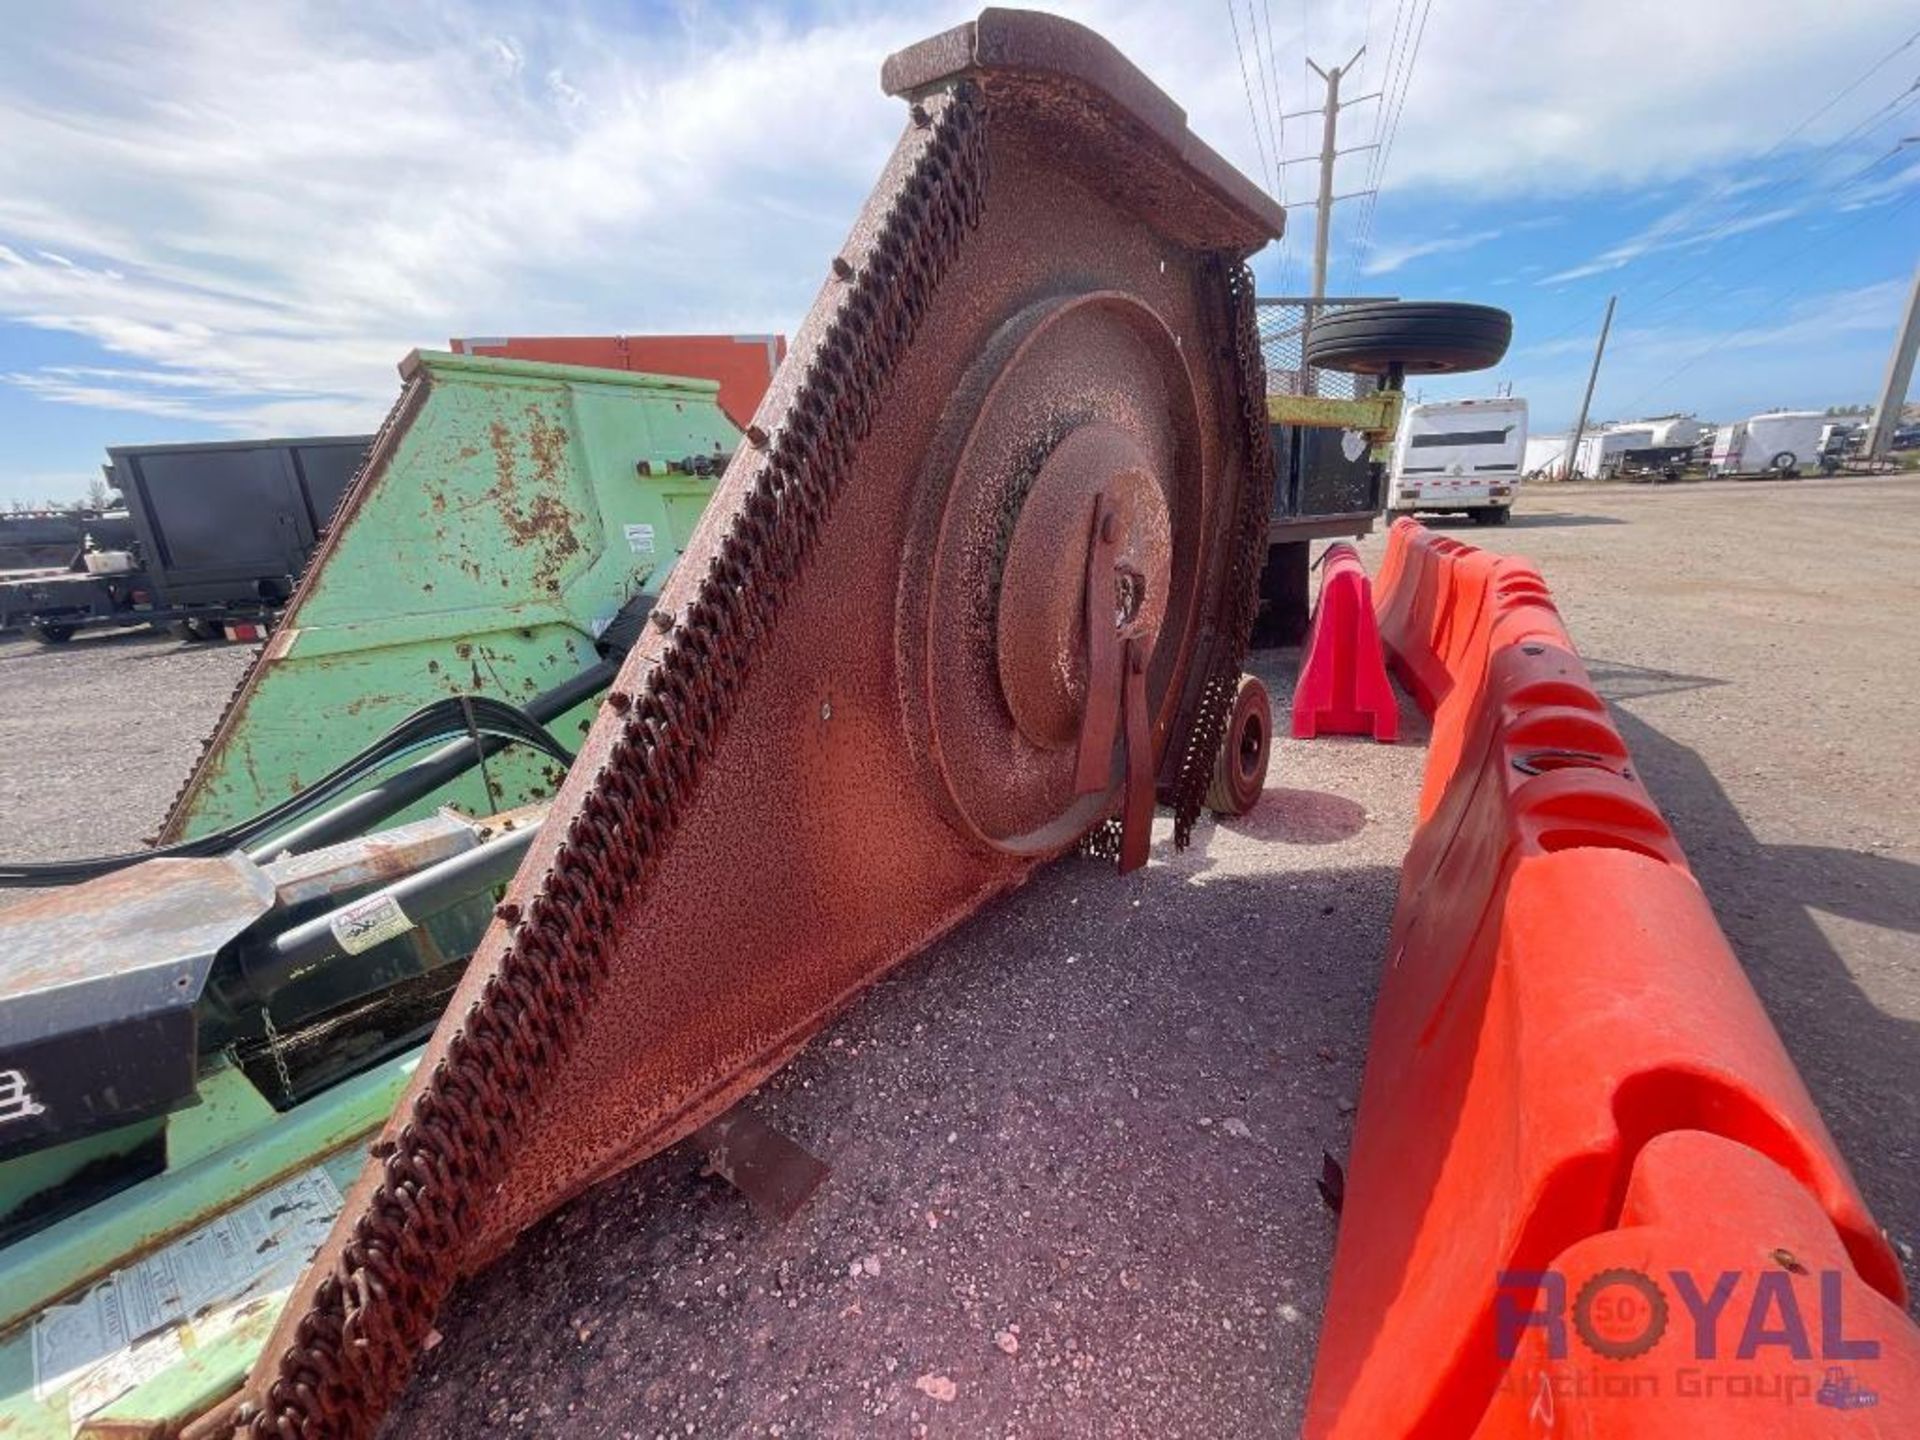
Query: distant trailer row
column 1784, row 442
column 213, row 535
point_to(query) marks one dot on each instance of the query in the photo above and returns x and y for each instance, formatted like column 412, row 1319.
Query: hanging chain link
column 1240, row 601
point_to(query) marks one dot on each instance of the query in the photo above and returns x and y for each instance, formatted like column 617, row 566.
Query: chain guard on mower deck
column 888, row 678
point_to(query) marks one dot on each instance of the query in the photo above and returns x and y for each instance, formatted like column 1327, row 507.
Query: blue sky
column 235, row 219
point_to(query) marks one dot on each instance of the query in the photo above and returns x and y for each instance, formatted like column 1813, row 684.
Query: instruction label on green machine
column 140, row 1320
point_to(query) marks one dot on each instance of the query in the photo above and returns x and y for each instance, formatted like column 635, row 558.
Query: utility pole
column 1593, row 375
column 1329, row 152
column 1323, row 215
column 1893, row 392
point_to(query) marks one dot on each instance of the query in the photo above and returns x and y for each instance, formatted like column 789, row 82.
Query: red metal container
column 743, row 364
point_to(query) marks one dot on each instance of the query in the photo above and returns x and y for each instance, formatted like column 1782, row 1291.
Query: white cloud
column 1385, row 259
column 254, row 211
column 260, row 243
column 1750, row 357
column 1578, row 97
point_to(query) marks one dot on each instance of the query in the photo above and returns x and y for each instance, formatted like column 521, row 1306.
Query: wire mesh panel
column 1283, row 333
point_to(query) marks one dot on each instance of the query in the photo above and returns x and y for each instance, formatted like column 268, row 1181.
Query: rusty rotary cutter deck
column 976, row 592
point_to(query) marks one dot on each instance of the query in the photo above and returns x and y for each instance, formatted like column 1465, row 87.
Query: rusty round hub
column 1039, row 636
column 1073, row 398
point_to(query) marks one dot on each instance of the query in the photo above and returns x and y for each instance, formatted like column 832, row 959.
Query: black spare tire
column 1421, row 337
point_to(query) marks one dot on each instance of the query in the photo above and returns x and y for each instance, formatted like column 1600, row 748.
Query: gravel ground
column 1075, row 1144
column 97, row 735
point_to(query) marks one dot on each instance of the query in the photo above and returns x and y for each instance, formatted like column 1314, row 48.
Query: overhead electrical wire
column 1389, row 87
column 1269, row 66
column 1741, row 210
column 1253, row 111
column 1747, row 209
column 1888, row 109
column 1391, row 83
column 1838, row 188
column 1774, row 302
column 1383, row 157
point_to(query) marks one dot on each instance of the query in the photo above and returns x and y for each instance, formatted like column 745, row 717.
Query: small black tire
column 183, row 631
column 1786, row 463
column 1240, row 766
column 1424, row 337
column 1492, row 514
column 49, row 634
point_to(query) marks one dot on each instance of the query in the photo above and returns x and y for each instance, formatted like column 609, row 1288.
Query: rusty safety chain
column 355, row 1346
column 1248, row 538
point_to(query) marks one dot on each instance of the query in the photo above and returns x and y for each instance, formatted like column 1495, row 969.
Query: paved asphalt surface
column 1075, row 1144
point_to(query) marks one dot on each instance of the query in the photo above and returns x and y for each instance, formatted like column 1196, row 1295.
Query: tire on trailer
column 1491, row 514
column 1240, row 767
column 1785, row 464
column 1422, row 337
column 51, row 634
column 183, row 631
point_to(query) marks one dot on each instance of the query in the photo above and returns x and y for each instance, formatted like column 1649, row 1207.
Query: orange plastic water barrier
column 1438, row 604
column 1343, row 687
column 1557, row 997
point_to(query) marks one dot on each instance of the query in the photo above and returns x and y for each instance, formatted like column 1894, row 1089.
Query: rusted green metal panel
column 507, row 511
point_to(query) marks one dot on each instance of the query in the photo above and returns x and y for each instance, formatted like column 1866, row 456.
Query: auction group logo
column 1735, row 1330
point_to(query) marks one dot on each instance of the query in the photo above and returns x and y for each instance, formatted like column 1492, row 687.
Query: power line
column 1857, row 82
column 1718, row 266
column 1365, row 240
column 1393, row 106
column 1276, row 123
column 1899, row 101
column 1775, row 302
column 1253, row 112
column 1386, row 73
column 1396, row 66
column 1564, row 331
column 1718, row 263
column 1390, row 71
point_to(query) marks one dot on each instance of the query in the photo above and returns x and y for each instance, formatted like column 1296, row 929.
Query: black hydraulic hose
column 360, row 814
column 270, row 965
column 460, row 715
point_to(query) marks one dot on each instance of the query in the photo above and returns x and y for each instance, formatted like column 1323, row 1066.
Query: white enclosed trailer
column 1545, row 455
column 1462, row 456
column 1785, row 442
column 1602, row 452
column 1671, row 432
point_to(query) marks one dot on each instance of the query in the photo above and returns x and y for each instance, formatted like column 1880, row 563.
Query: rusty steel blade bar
column 856, row 721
